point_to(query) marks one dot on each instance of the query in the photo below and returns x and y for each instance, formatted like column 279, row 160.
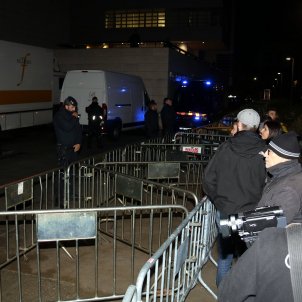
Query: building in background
column 168, row 44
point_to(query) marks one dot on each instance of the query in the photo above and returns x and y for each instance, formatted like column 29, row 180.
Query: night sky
column 266, row 32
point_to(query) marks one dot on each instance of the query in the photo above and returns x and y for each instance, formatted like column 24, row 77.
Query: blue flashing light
column 197, row 118
column 208, row 83
column 123, row 90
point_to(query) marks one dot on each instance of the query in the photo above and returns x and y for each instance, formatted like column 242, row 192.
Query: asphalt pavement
column 28, row 151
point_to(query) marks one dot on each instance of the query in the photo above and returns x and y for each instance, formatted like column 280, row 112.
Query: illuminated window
column 135, row 18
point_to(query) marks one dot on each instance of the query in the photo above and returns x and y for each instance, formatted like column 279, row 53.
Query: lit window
column 135, row 18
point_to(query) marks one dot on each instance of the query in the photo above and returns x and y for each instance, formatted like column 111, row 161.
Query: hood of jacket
column 246, row 144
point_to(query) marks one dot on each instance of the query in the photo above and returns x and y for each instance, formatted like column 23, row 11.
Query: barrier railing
column 40, row 191
column 79, row 255
column 200, row 138
column 176, row 266
column 186, row 175
column 96, row 187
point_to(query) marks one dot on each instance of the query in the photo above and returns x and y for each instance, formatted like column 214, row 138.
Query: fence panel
column 200, row 138
column 79, row 255
column 175, row 267
column 97, row 187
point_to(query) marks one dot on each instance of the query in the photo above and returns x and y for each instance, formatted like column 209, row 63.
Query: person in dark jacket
column 69, row 139
column 262, row 273
column 234, row 179
column 68, row 132
column 168, row 117
column 284, row 186
column 95, row 122
column 151, row 120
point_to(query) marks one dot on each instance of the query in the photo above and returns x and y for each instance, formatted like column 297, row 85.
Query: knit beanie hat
column 249, row 117
column 286, row 145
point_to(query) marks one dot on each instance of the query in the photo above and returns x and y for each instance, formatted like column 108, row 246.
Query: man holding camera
column 234, row 179
column 284, row 185
column 264, row 273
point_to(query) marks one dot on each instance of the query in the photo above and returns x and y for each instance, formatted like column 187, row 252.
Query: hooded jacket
column 284, row 189
column 235, row 176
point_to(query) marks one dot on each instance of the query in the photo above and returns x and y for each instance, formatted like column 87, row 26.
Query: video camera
column 249, row 224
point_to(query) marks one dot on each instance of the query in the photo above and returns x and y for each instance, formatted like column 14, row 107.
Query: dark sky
column 266, row 33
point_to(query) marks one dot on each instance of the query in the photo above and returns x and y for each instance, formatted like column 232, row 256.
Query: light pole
column 292, row 78
column 281, row 81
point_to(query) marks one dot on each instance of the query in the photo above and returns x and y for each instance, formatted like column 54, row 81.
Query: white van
column 124, row 96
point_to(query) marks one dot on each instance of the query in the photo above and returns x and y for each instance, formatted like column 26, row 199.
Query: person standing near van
column 151, row 120
column 68, row 132
column 95, row 118
column 168, row 117
column 69, row 139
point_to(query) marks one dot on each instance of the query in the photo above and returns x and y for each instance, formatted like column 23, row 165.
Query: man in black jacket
column 262, row 273
column 95, row 122
column 234, row 179
column 151, row 120
column 284, row 185
column 68, row 132
column 168, row 117
column 69, row 138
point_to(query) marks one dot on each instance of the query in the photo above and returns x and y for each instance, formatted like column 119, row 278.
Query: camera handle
column 294, row 242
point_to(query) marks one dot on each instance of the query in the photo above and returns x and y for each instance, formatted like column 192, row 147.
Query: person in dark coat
column 234, row 179
column 95, row 120
column 69, row 139
column 151, row 120
column 68, row 132
column 284, row 186
column 262, row 273
column 168, row 117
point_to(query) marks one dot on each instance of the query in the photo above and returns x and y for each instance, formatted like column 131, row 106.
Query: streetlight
column 281, row 80
column 292, row 78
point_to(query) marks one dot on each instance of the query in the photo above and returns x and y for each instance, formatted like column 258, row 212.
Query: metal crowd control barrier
column 200, row 138
column 186, row 175
column 176, row 266
column 214, row 128
column 85, row 185
column 147, row 151
column 79, row 255
column 98, row 187
column 41, row 191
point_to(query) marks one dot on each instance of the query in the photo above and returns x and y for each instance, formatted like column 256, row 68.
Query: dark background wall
column 44, row 23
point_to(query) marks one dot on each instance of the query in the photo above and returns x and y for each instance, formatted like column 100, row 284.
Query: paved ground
column 29, row 151
column 26, row 152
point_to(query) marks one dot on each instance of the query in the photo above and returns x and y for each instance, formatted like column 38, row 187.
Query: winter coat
column 284, row 189
column 151, row 123
column 235, row 176
column 168, row 118
column 67, row 128
column 260, row 274
column 94, row 109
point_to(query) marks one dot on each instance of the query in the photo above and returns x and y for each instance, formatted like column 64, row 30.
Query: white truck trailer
column 26, row 85
column 123, row 96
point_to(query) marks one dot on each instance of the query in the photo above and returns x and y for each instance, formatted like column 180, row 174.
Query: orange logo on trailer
column 23, row 61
